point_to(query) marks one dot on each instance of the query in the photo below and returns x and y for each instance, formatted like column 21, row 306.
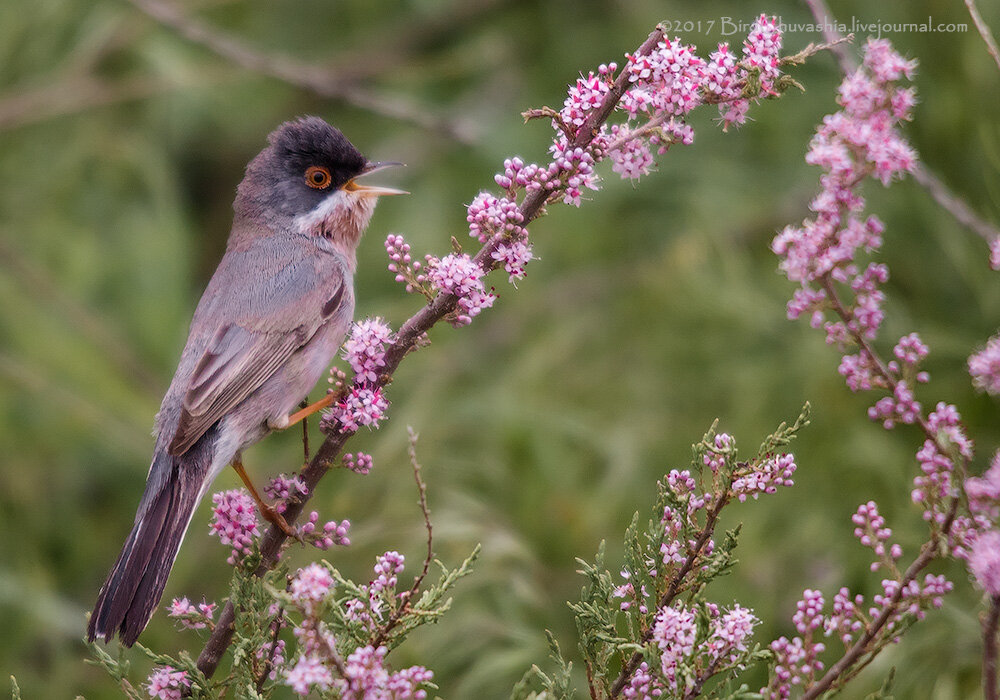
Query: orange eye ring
column 318, row 177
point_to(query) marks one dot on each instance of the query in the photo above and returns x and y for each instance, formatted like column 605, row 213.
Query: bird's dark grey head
column 306, row 161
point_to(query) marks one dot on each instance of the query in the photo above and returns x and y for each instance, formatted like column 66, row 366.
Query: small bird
column 268, row 326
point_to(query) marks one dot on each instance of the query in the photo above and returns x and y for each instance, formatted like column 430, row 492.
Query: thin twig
column 407, row 338
column 990, row 691
column 408, row 597
column 984, row 31
column 301, row 74
column 821, row 13
column 269, row 662
column 954, row 204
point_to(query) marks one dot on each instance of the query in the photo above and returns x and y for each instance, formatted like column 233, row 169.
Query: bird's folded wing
column 243, row 354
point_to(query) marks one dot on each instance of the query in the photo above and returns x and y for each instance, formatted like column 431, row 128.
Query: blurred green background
column 652, row 311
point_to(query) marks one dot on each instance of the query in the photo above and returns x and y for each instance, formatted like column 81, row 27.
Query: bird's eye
column 318, row 177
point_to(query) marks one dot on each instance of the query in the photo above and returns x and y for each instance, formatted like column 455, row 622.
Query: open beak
column 373, row 190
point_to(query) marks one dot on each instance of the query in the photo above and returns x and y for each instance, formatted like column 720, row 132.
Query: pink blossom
column 387, row 566
column 191, row 616
column 332, row 532
column 514, row 255
column 846, row 618
column 871, row 531
column 308, row 672
column 984, row 366
column 984, row 492
column 643, row 685
column 310, row 586
column 462, row 276
column 765, row 477
column 362, row 406
column 366, row 678
column 489, row 216
column 283, row 488
column 984, row 561
column 674, row 632
column 364, row 350
column 361, row 463
column 166, row 683
column 995, row 253
column 762, row 51
column 402, row 265
column 234, row 521
column 730, row 633
column 631, row 159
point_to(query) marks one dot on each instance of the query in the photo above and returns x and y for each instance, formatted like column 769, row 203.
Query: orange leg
column 268, row 511
column 303, row 413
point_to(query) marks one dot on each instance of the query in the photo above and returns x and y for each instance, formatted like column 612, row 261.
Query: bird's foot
column 271, row 515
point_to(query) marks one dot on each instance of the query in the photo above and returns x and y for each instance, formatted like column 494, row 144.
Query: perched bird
column 270, row 321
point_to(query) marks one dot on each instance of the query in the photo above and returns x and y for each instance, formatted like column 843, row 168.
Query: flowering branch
column 866, row 644
column 678, row 580
column 406, row 339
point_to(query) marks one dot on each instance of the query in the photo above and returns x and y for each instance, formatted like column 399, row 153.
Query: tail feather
column 136, row 582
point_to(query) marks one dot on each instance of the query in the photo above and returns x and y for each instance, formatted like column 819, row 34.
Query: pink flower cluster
column 165, row 683
column 365, row 349
column 460, row 275
column 681, row 522
column 686, row 652
column 367, row 678
column 796, row 660
column 643, row 685
column 234, row 521
column 871, row 531
column 934, row 486
column 310, row 586
column 274, row 654
column 191, row 616
column 309, row 672
column 630, row 595
column 332, row 532
column 283, row 488
column 663, row 87
column 984, row 366
column 380, row 591
column 402, row 265
column 362, row 406
column 361, row 463
column 764, row 477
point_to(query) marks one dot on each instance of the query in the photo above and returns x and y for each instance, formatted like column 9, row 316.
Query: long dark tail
column 136, row 582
